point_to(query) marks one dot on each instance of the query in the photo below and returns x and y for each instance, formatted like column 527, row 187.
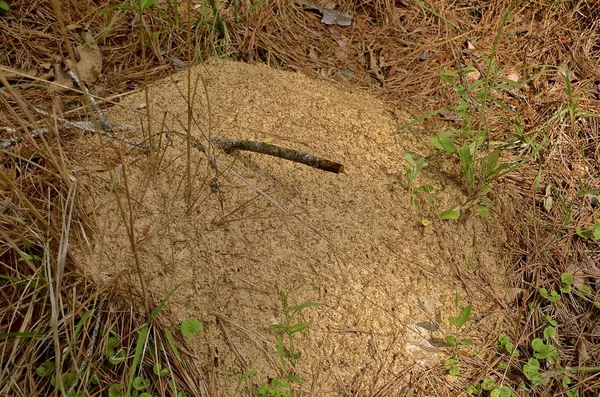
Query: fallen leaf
column 582, row 352
column 514, row 294
column 593, row 200
column 336, row 17
column 579, row 274
column 63, row 82
column 473, row 75
column 89, row 65
column 548, row 200
column 330, row 16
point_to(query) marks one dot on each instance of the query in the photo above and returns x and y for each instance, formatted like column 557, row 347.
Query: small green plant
column 543, row 350
column 243, row 377
column 549, row 332
column 464, row 315
column 594, row 232
column 452, row 366
column 566, row 283
column 570, row 392
column 191, row 327
column 504, row 344
column 552, row 297
column 532, row 372
column 275, row 387
column 4, row 7
column 502, row 391
column 286, row 351
column 488, row 384
column 412, row 168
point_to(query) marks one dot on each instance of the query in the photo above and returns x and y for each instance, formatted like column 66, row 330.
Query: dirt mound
column 351, row 242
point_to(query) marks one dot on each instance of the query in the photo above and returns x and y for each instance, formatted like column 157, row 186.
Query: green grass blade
column 137, row 358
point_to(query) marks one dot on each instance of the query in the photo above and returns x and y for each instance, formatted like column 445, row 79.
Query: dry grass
column 397, row 49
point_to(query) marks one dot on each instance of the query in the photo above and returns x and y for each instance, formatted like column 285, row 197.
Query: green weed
column 286, row 351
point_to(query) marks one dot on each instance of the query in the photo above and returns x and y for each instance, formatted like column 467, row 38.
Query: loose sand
column 350, row 241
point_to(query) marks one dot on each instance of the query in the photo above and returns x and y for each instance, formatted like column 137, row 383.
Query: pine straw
column 398, row 50
column 51, row 315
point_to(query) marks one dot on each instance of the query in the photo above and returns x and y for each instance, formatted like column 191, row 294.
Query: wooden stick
column 230, row 145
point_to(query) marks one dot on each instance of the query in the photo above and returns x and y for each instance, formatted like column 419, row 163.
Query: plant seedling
column 552, row 297
column 566, row 283
column 191, row 327
column 505, row 344
column 452, row 365
column 532, row 372
column 412, row 168
column 543, row 350
column 464, row 315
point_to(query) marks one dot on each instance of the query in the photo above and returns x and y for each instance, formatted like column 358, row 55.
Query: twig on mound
column 230, row 145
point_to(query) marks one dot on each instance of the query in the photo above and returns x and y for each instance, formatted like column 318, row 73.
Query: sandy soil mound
column 348, row 241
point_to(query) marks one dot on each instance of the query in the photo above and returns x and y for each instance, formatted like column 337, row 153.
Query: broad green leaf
column 502, row 391
column 4, row 6
column 488, row 384
column 118, row 358
column 115, row 390
column 141, row 383
column 450, row 214
column 584, row 290
column 483, row 211
column 464, row 155
column 596, row 230
column 281, row 349
column 297, row 328
column 444, row 141
column 552, row 297
column 567, row 278
column 304, row 305
column 584, row 234
column 409, row 158
column 191, row 327
column 159, row 370
column 45, row 369
column 295, row 379
column 461, row 107
column 451, row 341
column 145, row 4
column 490, row 162
column 485, row 190
column 549, row 332
column 462, row 318
column 566, row 283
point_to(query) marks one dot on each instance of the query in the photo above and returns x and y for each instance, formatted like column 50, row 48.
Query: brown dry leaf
column 513, row 294
column 473, row 75
column 512, row 76
column 63, row 82
column 565, row 72
column 548, row 200
column 89, row 66
column 582, row 352
column 579, row 277
column 336, row 17
column 330, row 16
